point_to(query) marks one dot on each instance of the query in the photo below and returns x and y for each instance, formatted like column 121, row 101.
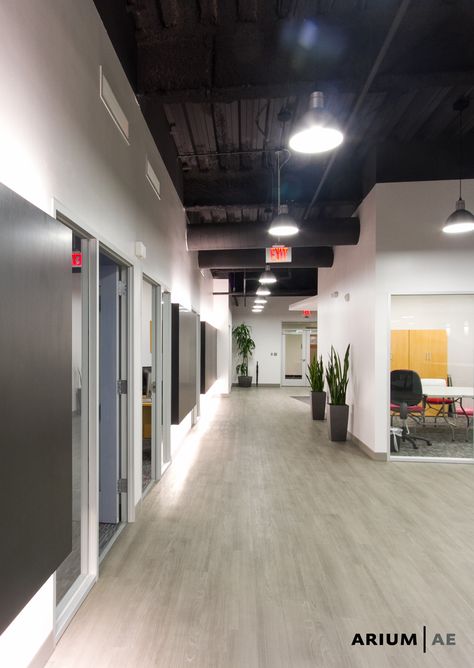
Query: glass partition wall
column 432, row 376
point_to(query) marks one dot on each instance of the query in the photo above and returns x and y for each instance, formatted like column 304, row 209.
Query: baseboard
column 259, row 385
column 378, row 456
column 44, row 653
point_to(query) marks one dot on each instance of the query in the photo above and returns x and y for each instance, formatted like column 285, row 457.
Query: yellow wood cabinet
column 422, row 350
column 399, row 356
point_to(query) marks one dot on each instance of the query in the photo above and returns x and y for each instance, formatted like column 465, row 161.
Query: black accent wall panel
column 184, row 325
column 208, row 356
column 35, row 400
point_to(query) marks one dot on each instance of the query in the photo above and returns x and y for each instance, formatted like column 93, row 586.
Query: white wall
column 342, row 322
column 415, row 256
column 453, row 313
column 267, row 333
column 60, row 149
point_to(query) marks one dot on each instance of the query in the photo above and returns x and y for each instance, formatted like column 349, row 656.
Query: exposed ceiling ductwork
column 254, row 258
column 227, row 236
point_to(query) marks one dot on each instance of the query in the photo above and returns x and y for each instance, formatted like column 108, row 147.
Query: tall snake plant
column 337, row 377
column 315, row 374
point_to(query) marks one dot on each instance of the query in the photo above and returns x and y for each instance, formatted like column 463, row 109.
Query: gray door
column 109, row 426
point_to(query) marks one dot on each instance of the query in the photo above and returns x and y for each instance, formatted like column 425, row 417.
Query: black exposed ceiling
column 215, row 77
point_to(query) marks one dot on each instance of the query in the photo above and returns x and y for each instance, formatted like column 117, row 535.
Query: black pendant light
column 317, row 131
column 283, row 225
column 461, row 220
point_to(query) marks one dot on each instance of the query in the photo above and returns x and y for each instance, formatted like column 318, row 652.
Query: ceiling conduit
column 254, row 258
column 228, row 236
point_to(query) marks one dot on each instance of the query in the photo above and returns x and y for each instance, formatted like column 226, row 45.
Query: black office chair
column 405, row 392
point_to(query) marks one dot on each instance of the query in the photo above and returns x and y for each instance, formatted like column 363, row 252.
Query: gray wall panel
column 35, row 400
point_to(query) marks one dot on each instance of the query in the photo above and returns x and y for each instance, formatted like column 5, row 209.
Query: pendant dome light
column 260, row 301
column 263, row 291
column 282, row 225
column 461, row 220
column 317, row 131
column 267, row 276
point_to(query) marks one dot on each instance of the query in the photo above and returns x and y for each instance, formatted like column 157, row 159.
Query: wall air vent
column 153, row 179
column 113, row 107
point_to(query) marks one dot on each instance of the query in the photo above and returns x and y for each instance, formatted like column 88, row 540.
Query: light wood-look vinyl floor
column 267, row 546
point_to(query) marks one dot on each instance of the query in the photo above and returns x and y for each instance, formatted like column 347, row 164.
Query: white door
column 295, row 353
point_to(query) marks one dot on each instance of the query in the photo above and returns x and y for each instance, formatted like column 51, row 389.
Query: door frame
column 127, row 507
column 68, row 606
column 156, row 383
column 305, row 350
column 166, row 379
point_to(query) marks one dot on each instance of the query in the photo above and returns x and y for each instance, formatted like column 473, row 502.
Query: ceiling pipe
column 227, row 236
column 254, row 258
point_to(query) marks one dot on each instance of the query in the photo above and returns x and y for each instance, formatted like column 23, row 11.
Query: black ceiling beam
column 235, row 212
column 223, row 236
column 401, row 83
column 302, row 258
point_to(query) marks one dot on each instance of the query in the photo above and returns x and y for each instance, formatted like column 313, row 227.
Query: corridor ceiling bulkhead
column 224, row 83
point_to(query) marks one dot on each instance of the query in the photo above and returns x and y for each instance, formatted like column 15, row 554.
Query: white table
column 454, row 393
column 445, row 392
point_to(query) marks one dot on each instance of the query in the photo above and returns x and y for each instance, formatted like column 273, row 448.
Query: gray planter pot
column 338, row 420
column 245, row 381
column 318, row 405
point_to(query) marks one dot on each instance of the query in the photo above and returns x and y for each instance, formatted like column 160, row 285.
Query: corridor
column 265, row 545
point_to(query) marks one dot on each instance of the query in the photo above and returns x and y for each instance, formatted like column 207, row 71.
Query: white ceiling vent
column 113, row 107
column 153, row 180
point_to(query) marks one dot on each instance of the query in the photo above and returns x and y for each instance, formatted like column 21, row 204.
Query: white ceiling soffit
column 310, row 303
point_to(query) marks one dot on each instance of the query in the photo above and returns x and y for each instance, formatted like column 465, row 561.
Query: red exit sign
column 278, row 254
column 76, row 259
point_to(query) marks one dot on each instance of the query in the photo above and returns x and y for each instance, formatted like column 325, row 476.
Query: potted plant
column 245, row 345
column 315, row 378
column 337, row 377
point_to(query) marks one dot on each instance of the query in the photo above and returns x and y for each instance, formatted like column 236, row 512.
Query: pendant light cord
column 460, row 152
column 278, row 182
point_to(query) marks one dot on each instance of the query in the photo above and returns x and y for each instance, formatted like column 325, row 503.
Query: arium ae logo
column 404, row 639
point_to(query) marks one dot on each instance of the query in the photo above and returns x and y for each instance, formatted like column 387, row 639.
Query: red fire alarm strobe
column 76, row 259
column 306, row 313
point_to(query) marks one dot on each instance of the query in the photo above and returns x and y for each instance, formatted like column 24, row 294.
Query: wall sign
column 277, row 254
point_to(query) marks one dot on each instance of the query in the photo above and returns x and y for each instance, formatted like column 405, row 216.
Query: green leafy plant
column 315, row 374
column 337, row 377
column 245, row 345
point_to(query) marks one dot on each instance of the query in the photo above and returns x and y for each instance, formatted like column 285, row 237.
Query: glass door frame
column 69, row 604
column 156, row 382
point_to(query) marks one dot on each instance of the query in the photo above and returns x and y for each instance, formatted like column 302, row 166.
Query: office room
column 432, row 373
